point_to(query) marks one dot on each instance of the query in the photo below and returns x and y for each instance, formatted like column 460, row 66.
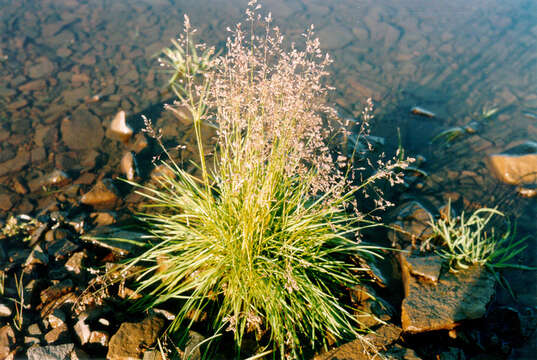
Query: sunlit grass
column 471, row 241
column 261, row 258
column 259, row 243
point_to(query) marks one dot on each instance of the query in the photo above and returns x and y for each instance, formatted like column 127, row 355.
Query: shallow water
column 454, row 58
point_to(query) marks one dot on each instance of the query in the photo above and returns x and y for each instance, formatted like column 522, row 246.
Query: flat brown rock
column 517, row 165
column 364, row 348
column 131, row 338
column 16, row 164
column 456, row 297
column 426, row 267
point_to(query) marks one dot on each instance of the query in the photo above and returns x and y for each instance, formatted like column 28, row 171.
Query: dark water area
column 68, row 66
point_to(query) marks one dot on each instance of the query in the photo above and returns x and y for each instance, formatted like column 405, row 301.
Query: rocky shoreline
column 58, row 300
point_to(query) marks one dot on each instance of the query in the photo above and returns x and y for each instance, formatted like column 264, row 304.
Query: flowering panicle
column 267, row 103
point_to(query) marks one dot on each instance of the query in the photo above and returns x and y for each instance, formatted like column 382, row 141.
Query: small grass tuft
column 470, row 241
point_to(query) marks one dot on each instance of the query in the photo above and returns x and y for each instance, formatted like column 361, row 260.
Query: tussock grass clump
column 259, row 240
column 261, row 258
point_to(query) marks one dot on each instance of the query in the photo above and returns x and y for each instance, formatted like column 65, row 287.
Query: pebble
column 33, row 85
column 82, row 329
column 100, row 338
column 60, row 333
column 103, row 194
column 140, row 143
column 515, row 166
column 103, row 218
column 63, row 52
column 57, row 318
column 17, row 104
column 5, row 310
column 7, row 340
column 119, row 127
column 37, row 257
column 34, row 330
column 526, row 191
column 128, row 165
column 75, row 262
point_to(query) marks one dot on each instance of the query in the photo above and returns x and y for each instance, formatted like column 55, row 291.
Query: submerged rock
column 129, row 166
column 42, row 68
column 517, row 165
column 17, row 163
column 55, row 178
column 82, row 131
column 335, row 37
column 528, row 191
column 455, row 297
column 416, row 110
column 103, row 194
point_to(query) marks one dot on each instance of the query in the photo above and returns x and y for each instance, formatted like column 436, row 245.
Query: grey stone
column 51, row 352
column 367, row 347
column 426, row 267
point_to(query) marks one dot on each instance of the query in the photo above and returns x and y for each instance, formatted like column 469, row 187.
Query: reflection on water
column 66, row 67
